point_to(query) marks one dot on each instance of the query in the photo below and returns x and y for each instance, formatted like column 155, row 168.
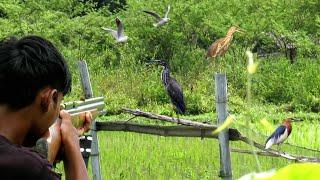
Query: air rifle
column 49, row 144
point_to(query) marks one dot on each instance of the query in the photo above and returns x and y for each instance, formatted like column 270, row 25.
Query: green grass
column 137, row 156
column 119, row 73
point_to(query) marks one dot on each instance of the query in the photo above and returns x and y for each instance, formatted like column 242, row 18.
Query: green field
column 138, row 156
column 120, row 73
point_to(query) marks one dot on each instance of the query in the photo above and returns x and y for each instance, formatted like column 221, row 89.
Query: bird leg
column 224, row 64
column 278, row 148
column 177, row 118
column 130, row 119
column 219, row 64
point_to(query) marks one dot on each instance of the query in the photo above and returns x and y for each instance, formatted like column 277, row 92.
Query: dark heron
column 172, row 87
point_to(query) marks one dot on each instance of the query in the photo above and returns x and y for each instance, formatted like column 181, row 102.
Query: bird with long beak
column 281, row 133
column 172, row 87
column 220, row 47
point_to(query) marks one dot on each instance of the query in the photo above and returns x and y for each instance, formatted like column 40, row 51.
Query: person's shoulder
column 24, row 162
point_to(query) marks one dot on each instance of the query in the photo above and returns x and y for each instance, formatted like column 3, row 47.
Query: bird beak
column 151, row 62
column 240, row 30
column 296, row 119
column 155, row 61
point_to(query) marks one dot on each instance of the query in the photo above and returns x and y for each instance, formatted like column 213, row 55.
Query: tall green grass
column 119, row 72
column 136, row 156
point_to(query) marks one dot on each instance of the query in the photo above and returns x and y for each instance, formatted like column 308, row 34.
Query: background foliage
column 120, row 73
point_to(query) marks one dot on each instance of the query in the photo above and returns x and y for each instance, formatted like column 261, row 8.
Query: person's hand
column 86, row 125
column 69, row 134
column 73, row 162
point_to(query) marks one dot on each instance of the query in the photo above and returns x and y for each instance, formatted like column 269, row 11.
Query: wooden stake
column 222, row 113
column 87, row 89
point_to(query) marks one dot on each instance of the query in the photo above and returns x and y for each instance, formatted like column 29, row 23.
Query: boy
column 34, row 77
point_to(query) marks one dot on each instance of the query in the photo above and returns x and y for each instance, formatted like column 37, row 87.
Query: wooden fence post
column 87, row 88
column 222, row 113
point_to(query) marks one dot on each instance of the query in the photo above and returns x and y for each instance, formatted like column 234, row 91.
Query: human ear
column 45, row 101
column 47, row 97
column 54, row 96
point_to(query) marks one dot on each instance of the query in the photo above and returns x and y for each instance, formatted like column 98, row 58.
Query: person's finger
column 58, row 122
column 65, row 115
column 87, row 122
column 81, row 131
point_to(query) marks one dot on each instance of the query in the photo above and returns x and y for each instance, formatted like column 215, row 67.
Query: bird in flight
column 119, row 33
column 281, row 133
column 159, row 20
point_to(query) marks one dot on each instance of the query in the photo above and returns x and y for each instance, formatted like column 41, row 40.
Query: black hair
column 27, row 66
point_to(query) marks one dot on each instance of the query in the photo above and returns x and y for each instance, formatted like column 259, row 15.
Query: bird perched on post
column 220, row 47
column 172, row 87
column 119, row 34
column 281, row 133
column 159, row 20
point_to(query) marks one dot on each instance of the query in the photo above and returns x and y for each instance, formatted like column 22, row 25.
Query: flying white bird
column 159, row 21
column 119, row 34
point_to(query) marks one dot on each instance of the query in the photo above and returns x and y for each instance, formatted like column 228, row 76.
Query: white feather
column 273, row 141
column 283, row 137
column 269, row 143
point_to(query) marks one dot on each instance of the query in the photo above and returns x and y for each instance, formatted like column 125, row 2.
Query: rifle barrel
column 87, row 107
column 74, row 104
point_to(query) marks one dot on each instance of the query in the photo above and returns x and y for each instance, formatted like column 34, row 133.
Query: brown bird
column 220, row 47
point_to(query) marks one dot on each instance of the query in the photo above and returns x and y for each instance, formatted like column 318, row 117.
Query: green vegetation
column 120, row 73
column 117, row 68
column 136, row 156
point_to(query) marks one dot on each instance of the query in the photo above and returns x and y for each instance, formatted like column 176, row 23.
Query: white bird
column 159, row 20
column 119, row 34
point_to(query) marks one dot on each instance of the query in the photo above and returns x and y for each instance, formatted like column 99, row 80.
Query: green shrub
column 119, row 71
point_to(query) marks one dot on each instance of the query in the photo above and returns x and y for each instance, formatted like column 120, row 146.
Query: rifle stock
column 49, row 144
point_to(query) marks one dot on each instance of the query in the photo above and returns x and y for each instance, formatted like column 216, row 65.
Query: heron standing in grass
column 281, row 133
column 172, row 87
column 220, row 47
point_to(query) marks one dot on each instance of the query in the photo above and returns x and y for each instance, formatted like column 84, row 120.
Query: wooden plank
column 85, row 79
column 88, row 93
column 222, row 113
column 167, row 131
column 149, row 115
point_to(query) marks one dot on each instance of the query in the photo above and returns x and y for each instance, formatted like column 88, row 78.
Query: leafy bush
column 118, row 71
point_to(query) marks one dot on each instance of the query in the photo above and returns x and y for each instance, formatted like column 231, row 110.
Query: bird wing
column 225, row 43
column 176, row 95
column 120, row 27
column 277, row 133
column 215, row 48
column 168, row 10
column 153, row 14
column 111, row 31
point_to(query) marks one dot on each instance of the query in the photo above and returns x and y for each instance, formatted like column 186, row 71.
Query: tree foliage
column 119, row 71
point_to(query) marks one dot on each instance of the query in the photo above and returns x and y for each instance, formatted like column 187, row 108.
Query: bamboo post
column 87, row 88
column 221, row 109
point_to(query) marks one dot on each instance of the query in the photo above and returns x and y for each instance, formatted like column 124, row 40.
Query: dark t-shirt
column 23, row 163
